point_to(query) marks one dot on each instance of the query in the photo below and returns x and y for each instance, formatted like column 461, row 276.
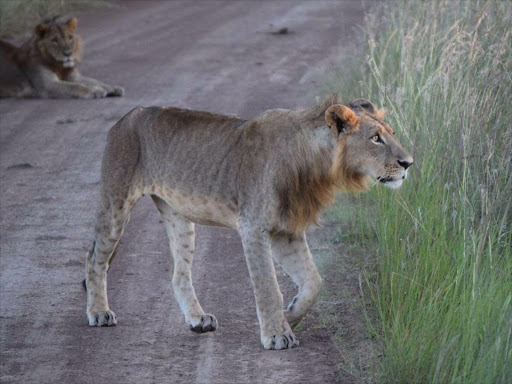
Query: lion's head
column 368, row 149
column 336, row 146
column 57, row 42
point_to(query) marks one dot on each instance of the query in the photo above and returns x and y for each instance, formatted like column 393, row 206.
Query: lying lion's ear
column 41, row 30
column 341, row 119
column 72, row 24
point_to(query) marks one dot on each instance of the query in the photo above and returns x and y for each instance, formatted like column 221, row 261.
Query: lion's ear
column 360, row 104
column 41, row 29
column 366, row 105
column 72, row 24
column 341, row 118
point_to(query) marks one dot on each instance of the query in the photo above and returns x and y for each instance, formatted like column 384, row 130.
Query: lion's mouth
column 68, row 63
column 390, row 179
column 385, row 179
column 391, row 182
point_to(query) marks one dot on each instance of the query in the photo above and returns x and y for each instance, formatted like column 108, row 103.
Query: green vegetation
column 18, row 16
column 442, row 284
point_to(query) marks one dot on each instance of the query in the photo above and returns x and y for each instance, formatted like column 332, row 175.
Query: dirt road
column 214, row 56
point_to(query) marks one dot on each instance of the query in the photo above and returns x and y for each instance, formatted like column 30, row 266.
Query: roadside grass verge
column 342, row 307
column 441, row 286
column 18, row 16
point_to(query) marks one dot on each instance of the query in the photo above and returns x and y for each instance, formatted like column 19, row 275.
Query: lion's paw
column 204, row 323
column 97, row 93
column 115, row 91
column 286, row 340
column 100, row 319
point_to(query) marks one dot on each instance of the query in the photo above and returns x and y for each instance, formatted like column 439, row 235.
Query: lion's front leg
column 48, row 85
column 275, row 330
column 111, row 90
column 181, row 235
column 292, row 253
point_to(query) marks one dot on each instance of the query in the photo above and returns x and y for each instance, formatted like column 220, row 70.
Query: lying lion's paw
column 286, row 340
column 115, row 91
column 97, row 93
column 106, row 318
column 204, row 323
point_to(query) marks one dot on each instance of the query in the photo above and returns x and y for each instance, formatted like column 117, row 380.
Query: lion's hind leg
column 293, row 254
column 110, row 223
column 181, row 240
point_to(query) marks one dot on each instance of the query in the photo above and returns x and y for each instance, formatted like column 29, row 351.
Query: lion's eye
column 376, row 139
column 54, row 41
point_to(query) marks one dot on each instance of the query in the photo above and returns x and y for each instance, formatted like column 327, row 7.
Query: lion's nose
column 405, row 163
column 68, row 52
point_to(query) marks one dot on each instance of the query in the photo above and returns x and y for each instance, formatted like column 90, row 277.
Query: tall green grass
column 442, row 287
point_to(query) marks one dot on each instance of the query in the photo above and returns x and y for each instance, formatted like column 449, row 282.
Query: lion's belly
column 204, row 210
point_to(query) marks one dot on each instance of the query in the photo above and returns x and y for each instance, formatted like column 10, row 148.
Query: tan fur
column 268, row 178
column 344, row 113
column 348, row 179
column 46, row 66
column 380, row 114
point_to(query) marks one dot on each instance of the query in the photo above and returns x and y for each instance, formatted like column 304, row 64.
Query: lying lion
column 46, row 66
column 268, row 178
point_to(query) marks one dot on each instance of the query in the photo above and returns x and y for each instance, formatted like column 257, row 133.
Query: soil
column 224, row 57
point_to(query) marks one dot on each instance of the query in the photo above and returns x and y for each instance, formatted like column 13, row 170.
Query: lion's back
column 192, row 150
column 13, row 82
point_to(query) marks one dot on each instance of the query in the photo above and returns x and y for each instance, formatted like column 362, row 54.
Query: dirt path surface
column 215, row 56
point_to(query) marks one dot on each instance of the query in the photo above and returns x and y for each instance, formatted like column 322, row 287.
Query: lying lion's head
column 367, row 146
column 57, row 42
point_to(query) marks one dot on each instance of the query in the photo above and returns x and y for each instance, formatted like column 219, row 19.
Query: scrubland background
column 435, row 257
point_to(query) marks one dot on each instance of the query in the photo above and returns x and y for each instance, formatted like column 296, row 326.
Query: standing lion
column 268, row 178
column 46, row 66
